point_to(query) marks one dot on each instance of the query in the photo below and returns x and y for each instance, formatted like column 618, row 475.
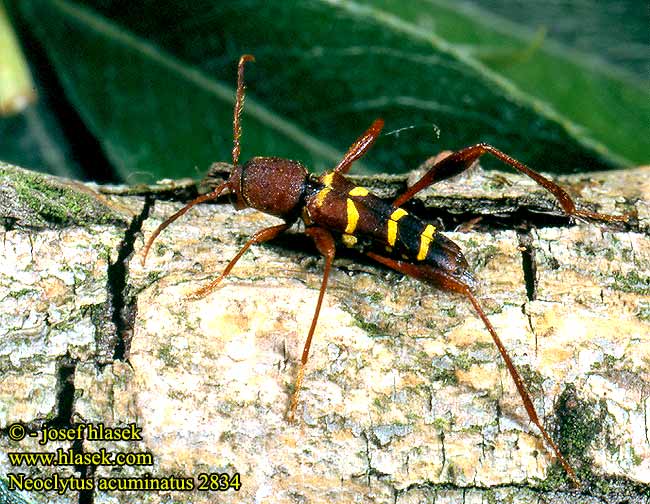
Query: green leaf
column 609, row 104
column 24, row 136
column 154, row 115
column 30, row 132
column 613, row 32
column 16, row 87
column 154, row 82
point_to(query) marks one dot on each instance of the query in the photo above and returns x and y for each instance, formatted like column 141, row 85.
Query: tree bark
column 405, row 397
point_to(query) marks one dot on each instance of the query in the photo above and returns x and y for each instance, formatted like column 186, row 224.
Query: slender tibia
column 461, row 160
column 326, row 246
column 521, row 387
column 261, row 236
column 448, row 283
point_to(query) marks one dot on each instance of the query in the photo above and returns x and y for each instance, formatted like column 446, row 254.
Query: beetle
column 334, row 209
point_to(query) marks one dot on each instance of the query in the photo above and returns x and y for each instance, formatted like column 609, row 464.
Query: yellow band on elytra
column 425, row 241
column 392, row 225
column 353, row 217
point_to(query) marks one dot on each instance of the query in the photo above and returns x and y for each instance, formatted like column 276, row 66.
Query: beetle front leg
column 261, row 236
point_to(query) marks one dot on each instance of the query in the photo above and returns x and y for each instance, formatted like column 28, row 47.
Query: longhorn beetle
column 334, row 208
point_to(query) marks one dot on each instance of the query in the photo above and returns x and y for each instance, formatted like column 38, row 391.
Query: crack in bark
column 529, row 264
column 121, row 303
column 65, row 392
column 529, row 268
column 444, row 452
column 65, row 410
column 369, row 468
column 530, row 325
column 120, row 309
column 645, row 417
column 498, row 413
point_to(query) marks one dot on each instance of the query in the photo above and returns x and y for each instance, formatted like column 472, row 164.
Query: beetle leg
column 327, row 247
column 261, row 236
column 461, row 160
column 205, row 197
column 359, row 148
column 447, row 283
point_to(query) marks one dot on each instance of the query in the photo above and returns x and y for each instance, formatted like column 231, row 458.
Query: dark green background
column 138, row 91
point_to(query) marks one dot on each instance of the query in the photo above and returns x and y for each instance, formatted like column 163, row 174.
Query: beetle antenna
column 239, row 105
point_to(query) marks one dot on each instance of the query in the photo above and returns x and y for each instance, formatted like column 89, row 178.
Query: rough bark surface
column 405, row 397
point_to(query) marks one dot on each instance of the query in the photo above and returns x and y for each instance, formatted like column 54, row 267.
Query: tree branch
column 404, row 398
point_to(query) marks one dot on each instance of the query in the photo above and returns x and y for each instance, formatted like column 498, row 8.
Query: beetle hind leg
column 459, row 161
column 446, row 282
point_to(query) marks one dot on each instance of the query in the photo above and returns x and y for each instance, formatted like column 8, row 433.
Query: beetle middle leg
column 327, row 247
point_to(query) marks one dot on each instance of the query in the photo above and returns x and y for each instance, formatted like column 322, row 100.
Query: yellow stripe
column 425, row 241
column 398, row 214
column 327, row 179
column 359, row 191
column 349, row 240
column 353, row 217
column 429, row 231
column 392, row 232
column 392, row 225
column 320, row 197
